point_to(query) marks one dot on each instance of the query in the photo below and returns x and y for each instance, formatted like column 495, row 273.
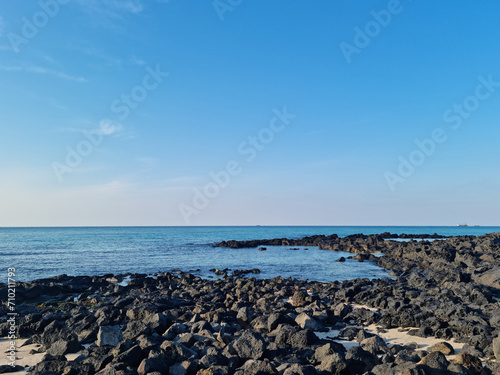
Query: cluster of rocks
column 176, row 323
column 354, row 243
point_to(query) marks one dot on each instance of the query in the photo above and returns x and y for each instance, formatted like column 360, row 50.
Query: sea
column 46, row 252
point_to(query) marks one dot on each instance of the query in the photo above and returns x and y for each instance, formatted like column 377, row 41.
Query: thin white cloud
column 41, row 70
column 92, row 52
column 51, row 61
column 111, row 8
column 136, row 61
column 110, row 127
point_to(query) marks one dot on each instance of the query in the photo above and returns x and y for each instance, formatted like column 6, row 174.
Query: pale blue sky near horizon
column 226, row 80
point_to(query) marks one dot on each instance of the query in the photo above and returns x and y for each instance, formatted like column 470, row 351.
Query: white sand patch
column 393, row 336
column 398, row 336
column 23, row 358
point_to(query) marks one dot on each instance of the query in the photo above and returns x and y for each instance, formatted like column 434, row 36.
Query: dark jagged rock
column 181, row 323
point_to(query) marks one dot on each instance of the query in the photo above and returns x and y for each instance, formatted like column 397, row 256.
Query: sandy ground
column 394, row 336
column 23, row 358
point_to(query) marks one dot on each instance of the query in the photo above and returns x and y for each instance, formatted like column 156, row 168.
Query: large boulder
column 360, row 361
column 490, row 278
column 299, row 298
column 435, row 363
column 470, row 362
column 374, row 345
column 250, row 345
column 442, row 347
column 109, row 335
column 496, row 348
column 306, row 322
column 254, row 367
column 62, row 347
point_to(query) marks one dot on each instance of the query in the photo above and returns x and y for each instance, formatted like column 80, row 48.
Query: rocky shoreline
column 177, row 323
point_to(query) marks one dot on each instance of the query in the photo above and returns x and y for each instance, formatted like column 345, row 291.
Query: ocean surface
column 46, row 252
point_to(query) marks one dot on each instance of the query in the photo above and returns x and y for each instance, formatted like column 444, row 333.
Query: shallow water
column 46, row 252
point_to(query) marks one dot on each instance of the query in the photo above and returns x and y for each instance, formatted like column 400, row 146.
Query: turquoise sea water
column 46, row 252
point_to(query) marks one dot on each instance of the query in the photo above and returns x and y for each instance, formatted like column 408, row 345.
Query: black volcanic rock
column 181, row 323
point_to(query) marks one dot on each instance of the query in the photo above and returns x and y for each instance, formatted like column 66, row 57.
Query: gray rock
column 297, row 369
column 328, row 349
column 341, row 310
column 254, row 367
column 131, row 357
column 109, row 335
column 469, row 362
column 359, row 360
column 491, row 278
column 149, row 365
column 302, row 338
column 62, row 347
column 250, row 345
column 274, row 320
column 243, row 317
column 435, row 363
column 374, row 345
column 442, row 347
column 496, row 348
column 174, row 330
column 306, row 322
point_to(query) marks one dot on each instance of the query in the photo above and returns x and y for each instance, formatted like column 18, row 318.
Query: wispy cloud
column 93, row 52
column 41, row 70
column 51, row 61
column 136, row 61
column 111, row 8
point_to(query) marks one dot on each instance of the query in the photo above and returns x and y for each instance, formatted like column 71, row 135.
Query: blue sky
column 173, row 91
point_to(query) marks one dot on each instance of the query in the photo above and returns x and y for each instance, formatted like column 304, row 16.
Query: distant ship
column 463, row 225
